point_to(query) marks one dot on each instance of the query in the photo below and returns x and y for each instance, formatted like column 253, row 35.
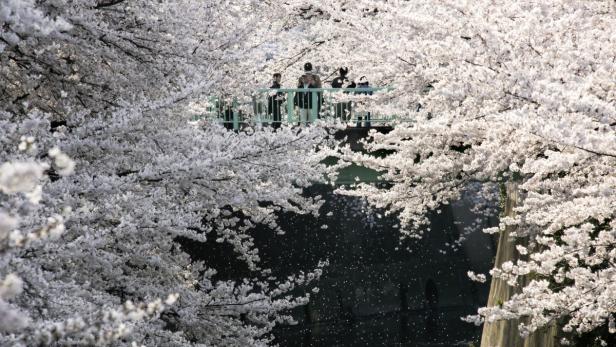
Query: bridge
column 274, row 107
column 301, row 106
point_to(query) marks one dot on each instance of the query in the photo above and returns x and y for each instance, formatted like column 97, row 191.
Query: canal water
column 379, row 290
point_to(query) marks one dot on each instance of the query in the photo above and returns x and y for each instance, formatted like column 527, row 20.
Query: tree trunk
column 505, row 333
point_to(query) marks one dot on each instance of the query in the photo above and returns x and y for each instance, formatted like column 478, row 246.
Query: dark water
column 378, row 290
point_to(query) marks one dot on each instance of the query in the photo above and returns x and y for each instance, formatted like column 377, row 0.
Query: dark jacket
column 339, row 81
column 304, row 99
column 274, row 101
column 361, row 86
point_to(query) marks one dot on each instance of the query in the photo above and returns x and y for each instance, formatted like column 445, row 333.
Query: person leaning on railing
column 315, row 83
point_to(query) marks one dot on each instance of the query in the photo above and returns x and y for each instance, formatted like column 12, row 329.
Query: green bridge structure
column 351, row 105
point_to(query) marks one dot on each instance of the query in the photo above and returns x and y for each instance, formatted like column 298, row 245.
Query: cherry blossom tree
column 498, row 92
column 120, row 242
column 102, row 177
column 65, row 56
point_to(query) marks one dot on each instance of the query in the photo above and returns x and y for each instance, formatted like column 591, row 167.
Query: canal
column 379, row 290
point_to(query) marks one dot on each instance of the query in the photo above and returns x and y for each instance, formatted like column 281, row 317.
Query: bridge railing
column 301, row 106
column 226, row 111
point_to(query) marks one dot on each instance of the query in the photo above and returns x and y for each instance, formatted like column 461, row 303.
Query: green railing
column 300, row 106
column 226, row 111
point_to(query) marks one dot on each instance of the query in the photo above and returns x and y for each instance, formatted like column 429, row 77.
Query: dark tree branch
column 107, row 3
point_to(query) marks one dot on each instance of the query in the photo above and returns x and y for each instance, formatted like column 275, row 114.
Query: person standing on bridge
column 315, row 83
column 342, row 109
column 274, row 101
column 363, row 84
column 309, row 71
column 303, row 99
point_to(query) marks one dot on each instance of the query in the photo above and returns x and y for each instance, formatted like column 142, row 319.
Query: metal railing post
column 290, row 106
column 255, row 108
column 210, row 112
column 314, row 106
column 235, row 113
column 331, row 107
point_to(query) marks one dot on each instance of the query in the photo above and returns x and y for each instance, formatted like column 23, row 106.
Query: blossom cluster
column 498, row 92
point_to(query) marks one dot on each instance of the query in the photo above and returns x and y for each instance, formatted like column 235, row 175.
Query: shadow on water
column 379, row 290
